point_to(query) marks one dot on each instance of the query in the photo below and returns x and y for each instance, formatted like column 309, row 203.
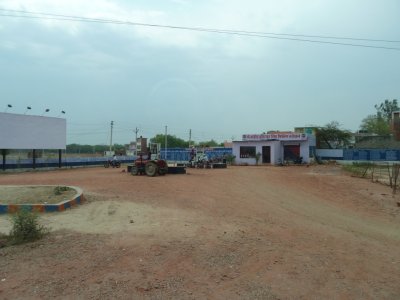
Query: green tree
column 211, row 143
column 172, row 141
column 375, row 124
column 386, row 108
column 332, row 136
column 380, row 122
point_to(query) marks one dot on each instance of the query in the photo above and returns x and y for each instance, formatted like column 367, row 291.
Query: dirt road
column 238, row 233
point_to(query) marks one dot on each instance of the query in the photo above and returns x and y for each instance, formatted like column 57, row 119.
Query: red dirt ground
column 239, row 233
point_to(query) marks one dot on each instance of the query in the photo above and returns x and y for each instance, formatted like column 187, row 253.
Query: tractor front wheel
column 134, row 170
column 163, row 170
column 151, row 169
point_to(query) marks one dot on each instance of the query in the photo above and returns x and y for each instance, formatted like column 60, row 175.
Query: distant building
column 228, row 144
column 132, row 146
column 131, row 149
column 395, row 126
column 141, row 146
column 311, row 133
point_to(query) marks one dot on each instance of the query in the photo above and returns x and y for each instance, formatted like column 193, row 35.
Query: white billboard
column 32, row 132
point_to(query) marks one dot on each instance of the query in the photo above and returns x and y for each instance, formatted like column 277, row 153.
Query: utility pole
column 136, row 132
column 166, row 145
column 190, row 137
column 112, row 125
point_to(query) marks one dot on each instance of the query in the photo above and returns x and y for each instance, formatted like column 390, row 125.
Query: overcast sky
column 220, row 86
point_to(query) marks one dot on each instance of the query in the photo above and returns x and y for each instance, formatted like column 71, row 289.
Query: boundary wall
column 183, row 155
column 66, row 162
column 359, row 154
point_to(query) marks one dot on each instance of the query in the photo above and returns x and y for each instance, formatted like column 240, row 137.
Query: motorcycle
column 112, row 163
column 298, row 160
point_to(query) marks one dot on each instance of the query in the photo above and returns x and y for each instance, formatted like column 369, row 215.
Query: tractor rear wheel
column 151, row 169
column 134, row 170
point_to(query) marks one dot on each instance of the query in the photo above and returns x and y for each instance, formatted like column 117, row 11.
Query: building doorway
column 266, row 154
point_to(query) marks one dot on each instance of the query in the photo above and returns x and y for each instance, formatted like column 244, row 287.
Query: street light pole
column 47, row 110
column 112, row 125
column 8, row 106
column 136, row 132
column 27, row 108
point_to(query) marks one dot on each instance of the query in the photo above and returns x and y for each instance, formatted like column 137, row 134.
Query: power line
column 201, row 28
column 270, row 35
column 125, row 132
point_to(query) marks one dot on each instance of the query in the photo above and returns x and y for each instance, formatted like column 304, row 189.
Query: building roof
column 279, row 132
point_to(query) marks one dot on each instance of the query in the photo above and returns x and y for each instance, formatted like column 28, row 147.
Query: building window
column 247, row 152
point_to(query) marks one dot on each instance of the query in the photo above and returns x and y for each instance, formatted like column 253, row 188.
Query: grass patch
column 359, row 169
column 3, row 240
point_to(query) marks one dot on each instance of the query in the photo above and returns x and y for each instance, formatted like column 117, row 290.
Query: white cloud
column 8, row 45
column 180, row 2
column 254, row 15
column 41, row 50
column 94, row 60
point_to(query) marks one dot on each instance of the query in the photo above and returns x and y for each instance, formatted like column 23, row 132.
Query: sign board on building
column 32, row 132
column 275, row 136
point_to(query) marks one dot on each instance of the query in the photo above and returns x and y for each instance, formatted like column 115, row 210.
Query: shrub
column 230, row 159
column 258, row 156
column 26, row 227
column 58, row 190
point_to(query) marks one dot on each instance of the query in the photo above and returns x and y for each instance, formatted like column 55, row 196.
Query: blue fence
column 176, row 154
column 173, row 154
column 65, row 162
column 371, row 154
column 218, row 152
column 180, row 154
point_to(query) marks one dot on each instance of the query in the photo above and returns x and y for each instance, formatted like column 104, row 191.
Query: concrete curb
column 13, row 208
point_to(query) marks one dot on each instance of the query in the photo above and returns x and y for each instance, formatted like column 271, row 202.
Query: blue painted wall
column 371, row 154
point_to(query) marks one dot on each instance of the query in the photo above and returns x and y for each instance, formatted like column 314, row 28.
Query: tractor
column 149, row 167
column 152, row 166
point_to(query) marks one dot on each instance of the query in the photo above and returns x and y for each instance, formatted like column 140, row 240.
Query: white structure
column 32, row 132
column 272, row 148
